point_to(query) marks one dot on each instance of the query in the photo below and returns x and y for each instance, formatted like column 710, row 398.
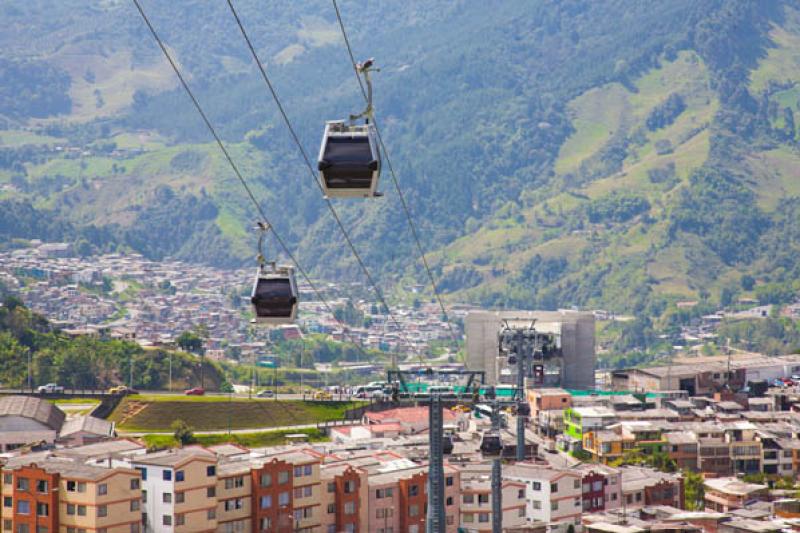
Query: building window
column 179, row 476
column 166, row 497
column 23, row 483
column 283, row 498
column 576, row 484
column 266, row 480
column 298, row 492
column 307, row 469
column 23, row 528
column 266, row 524
column 7, row 501
column 468, row 518
column 577, row 502
column 42, row 509
column 166, row 520
column 8, row 479
column 413, row 490
column 23, row 507
column 483, row 517
column 135, row 506
column 553, row 487
column 448, row 481
column 283, row 477
column 537, row 485
column 483, row 498
column 7, row 523
column 332, row 508
column 102, row 511
column 81, row 510
column 144, row 496
column 180, row 519
column 298, row 471
column 537, row 504
column 71, row 509
column 413, row 510
column 135, row 528
column 167, row 476
column 449, row 500
column 350, row 508
column 180, row 497
column 211, row 492
column 211, row 471
column 309, row 490
column 554, row 506
column 135, row 484
column 266, row 502
column 41, row 486
column 143, row 472
column 234, row 482
column 521, row 494
column 211, row 514
column 469, row 498
column 349, row 487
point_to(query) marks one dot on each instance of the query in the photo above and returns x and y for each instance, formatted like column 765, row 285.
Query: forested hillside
column 620, row 154
column 85, row 362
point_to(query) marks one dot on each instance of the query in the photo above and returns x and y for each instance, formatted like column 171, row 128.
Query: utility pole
column 30, row 376
column 170, row 371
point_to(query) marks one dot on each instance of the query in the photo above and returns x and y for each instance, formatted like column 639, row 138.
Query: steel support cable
column 236, row 171
column 406, row 209
column 313, row 174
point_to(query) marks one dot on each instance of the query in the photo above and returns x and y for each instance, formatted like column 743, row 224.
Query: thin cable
column 239, row 175
column 410, row 220
column 314, row 176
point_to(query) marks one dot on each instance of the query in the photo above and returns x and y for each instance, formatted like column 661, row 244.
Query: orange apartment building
column 69, row 497
column 345, row 499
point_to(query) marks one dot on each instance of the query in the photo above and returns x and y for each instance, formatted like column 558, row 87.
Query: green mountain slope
column 618, row 154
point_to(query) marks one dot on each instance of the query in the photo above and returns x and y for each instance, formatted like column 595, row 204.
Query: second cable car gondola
column 274, row 295
column 491, row 444
column 349, row 160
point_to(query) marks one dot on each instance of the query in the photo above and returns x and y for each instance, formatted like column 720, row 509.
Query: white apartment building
column 178, row 490
column 552, row 496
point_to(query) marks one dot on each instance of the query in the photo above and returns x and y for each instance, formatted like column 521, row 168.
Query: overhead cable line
column 313, row 174
column 242, row 180
column 409, row 218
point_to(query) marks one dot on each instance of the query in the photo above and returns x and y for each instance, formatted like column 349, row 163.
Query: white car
column 50, row 388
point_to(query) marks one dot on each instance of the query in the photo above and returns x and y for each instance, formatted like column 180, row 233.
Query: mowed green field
column 135, row 414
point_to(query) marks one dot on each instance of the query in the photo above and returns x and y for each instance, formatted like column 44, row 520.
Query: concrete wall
column 577, row 341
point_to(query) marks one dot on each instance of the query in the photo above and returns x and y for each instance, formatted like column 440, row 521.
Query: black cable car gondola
column 274, row 295
column 491, row 444
column 447, row 444
column 349, row 159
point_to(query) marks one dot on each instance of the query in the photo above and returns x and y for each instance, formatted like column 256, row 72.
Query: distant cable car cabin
column 491, row 444
column 349, row 160
column 274, row 296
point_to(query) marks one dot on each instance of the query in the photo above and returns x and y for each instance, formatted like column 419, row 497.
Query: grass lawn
column 209, row 413
column 250, row 440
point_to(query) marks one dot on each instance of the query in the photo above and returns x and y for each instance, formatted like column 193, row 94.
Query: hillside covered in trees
column 620, row 154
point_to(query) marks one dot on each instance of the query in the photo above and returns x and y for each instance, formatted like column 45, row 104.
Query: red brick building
column 272, row 497
column 35, row 499
column 413, row 502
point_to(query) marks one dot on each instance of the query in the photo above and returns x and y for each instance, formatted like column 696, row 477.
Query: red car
column 197, row 391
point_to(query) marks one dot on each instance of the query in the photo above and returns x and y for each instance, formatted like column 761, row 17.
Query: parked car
column 197, row 391
column 121, row 389
column 50, row 388
column 266, row 393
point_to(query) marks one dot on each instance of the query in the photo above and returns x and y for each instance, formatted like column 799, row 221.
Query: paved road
column 220, row 431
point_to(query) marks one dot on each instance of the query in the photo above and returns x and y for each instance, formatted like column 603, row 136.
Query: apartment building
column 66, row 496
column 728, row 494
column 234, row 497
column 553, row 496
column 271, row 496
column 476, row 501
column 345, row 500
column 179, row 490
column 682, row 447
column 643, row 487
